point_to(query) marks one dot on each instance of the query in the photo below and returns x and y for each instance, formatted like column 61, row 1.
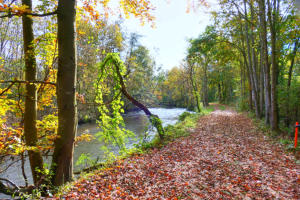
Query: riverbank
column 135, row 121
column 225, row 156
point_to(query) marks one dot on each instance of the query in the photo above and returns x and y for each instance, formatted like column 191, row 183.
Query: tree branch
column 7, row 88
column 43, row 15
column 31, row 14
column 21, row 81
column 10, row 182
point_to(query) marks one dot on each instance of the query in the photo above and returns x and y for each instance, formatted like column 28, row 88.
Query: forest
column 66, row 64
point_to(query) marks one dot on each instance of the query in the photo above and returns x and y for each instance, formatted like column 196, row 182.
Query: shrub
column 184, row 115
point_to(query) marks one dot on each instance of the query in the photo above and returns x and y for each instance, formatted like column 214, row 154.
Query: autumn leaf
column 209, row 164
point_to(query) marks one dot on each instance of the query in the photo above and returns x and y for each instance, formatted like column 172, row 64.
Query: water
column 135, row 121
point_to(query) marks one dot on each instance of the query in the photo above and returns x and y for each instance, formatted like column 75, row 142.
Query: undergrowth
column 284, row 137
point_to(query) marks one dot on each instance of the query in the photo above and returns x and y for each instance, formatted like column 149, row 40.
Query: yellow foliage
column 84, row 137
column 140, row 9
column 20, row 9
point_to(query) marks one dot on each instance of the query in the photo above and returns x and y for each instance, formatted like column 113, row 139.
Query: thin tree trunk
column 287, row 119
column 241, row 81
column 195, row 90
column 205, row 87
column 252, row 70
column 250, row 85
column 254, row 62
column 219, row 93
column 274, row 106
column 245, row 67
column 62, row 163
column 30, row 115
column 261, row 75
column 244, row 81
column 263, row 32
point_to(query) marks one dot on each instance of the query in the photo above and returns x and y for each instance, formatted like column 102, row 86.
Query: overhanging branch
column 26, row 82
column 30, row 14
column 12, row 82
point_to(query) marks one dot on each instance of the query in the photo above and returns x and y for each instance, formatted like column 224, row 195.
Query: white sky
column 174, row 26
column 168, row 41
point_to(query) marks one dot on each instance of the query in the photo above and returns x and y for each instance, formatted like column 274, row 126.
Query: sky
column 174, row 26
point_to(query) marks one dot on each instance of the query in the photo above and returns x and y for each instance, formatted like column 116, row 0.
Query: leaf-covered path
column 225, row 158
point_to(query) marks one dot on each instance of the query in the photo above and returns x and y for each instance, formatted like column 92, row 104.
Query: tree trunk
column 30, row 115
column 254, row 62
column 219, row 93
column 241, row 81
column 261, row 85
column 263, row 32
column 252, row 68
column 274, row 61
column 205, row 87
column 261, row 77
column 250, row 85
column 194, row 87
column 246, row 67
column 62, row 163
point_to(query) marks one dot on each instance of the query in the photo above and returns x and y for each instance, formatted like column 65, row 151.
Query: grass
column 222, row 107
column 187, row 122
column 208, row 110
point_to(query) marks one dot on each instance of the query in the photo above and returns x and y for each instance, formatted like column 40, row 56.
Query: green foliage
column 174, row 89
column 141, row 79
column 182, row 128
column 207, row 110
column 35, row 194
column 111, row 121
column 222, row 107
column 39, row 191
column 85, row 160
column 183, row 116
column 157, row 123
column 242, row 105
column 93, row 42
column 285, row 141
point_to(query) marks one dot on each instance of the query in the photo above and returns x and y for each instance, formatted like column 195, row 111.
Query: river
column 135, row 121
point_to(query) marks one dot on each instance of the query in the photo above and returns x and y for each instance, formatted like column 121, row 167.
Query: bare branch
column 43, row 15
column 21, row 81
column 9, row 165
column 10, row 182
column 31, row 14
column 7, row 88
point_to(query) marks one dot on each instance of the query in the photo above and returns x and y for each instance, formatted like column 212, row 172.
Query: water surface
column 135, row 121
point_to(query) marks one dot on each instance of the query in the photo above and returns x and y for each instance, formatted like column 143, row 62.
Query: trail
column 226, row 157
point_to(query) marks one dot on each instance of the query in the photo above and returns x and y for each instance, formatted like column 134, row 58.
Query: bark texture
column 62, row 163
column 251, row 61
column 194, row 86
column 205, row 86
column 272, row 15
column 30, row 115
column 265, row 58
